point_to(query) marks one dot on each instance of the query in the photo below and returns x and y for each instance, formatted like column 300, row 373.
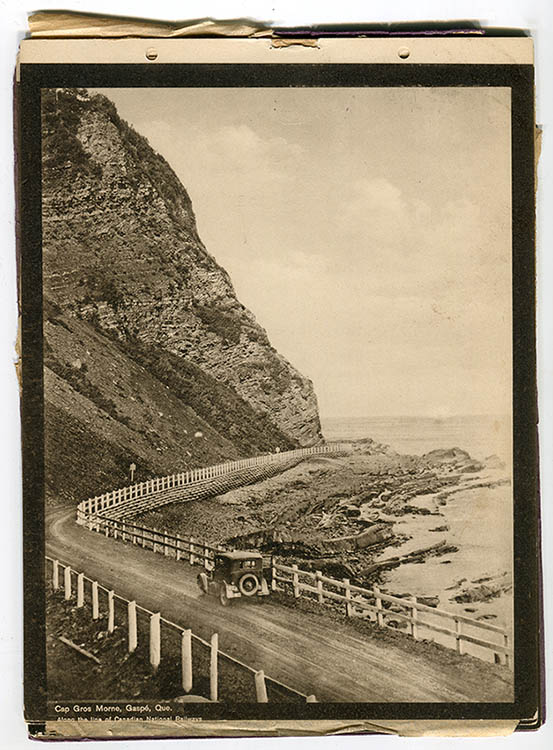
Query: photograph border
column 528, row 672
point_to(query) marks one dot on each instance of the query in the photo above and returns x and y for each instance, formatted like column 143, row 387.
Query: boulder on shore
column 373, row 535
column 453, row 458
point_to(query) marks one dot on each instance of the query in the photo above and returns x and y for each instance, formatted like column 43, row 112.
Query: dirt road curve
column 306, row 652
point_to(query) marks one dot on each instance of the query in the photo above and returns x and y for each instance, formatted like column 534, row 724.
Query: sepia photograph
column 278, row 389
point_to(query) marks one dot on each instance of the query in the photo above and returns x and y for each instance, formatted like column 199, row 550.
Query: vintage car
column 235, row 574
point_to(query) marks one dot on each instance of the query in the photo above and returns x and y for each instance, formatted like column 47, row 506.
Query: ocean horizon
column 482, row 435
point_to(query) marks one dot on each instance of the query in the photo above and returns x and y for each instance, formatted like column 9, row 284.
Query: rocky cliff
column 122, row 254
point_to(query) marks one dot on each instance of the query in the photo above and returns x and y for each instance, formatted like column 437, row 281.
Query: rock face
column 122, row 253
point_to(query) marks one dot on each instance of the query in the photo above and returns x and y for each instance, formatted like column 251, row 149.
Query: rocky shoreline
column 354, row 516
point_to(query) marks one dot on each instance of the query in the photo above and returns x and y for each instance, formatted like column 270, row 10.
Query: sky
column 368, row 230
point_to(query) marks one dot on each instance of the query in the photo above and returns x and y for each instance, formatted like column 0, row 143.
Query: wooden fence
column 383, row 609
column 194, row 478
column 72, row 583
column 189, row 548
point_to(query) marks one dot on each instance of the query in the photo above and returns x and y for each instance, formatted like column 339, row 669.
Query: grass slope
column 103, row 411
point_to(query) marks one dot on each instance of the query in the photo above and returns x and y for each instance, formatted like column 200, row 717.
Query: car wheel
column 248, row 585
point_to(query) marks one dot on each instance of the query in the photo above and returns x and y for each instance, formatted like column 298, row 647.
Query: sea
column 478, row 520
column 481, row 435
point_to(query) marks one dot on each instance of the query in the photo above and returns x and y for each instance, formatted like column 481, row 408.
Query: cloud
column 378, row 195
column 411, row 248
column 240, row 149
column 376, row 213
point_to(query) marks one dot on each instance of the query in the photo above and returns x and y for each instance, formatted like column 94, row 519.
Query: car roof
column 239, row 554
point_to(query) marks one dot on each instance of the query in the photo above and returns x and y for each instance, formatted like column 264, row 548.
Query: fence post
column 143, row 538
column 320, row 596
column 67, row 582
column 458, row 640
column 206, row 557
column 133, row 633
column 415, row 616
column 379, row 614
column 124, row 531
column 154, row 536
column 295, row 581
column 107, row 528
column 155, row 640
column 95, row 606
column 186, row 650
column 111, row 612
column 115, row 529
column 273, row 574
column 347, row 588
column 213, row 668
column 191, row 558
column 165, row 545
column 506, row 644
column 80, row 590
column 177, row 550
column 55, row 575
column 260, row 687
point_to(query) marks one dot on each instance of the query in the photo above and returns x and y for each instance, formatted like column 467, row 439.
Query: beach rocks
column 494, row 462
column 373, row 535
column 329, row 567
column 453, row 459
column 415, row 510
column 446, row 455
column 349, row 509
column 371, row 447
column 417, row 556
column 481, row 593
column 478, row 591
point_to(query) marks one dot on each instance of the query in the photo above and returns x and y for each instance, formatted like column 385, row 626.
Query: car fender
column 203, row 582
column 231, row 590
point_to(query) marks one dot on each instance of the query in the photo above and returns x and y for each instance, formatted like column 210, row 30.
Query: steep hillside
column 149, row 356
column 121, row 250
column 103, row 411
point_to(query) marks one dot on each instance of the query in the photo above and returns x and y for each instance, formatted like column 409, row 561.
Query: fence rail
column 382, row 608
column 73, row 585
column 170, row 545
column 195, row 478
column 373, row 601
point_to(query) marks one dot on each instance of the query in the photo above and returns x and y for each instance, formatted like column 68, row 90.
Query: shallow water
column 479, row 525
column 479, row 520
